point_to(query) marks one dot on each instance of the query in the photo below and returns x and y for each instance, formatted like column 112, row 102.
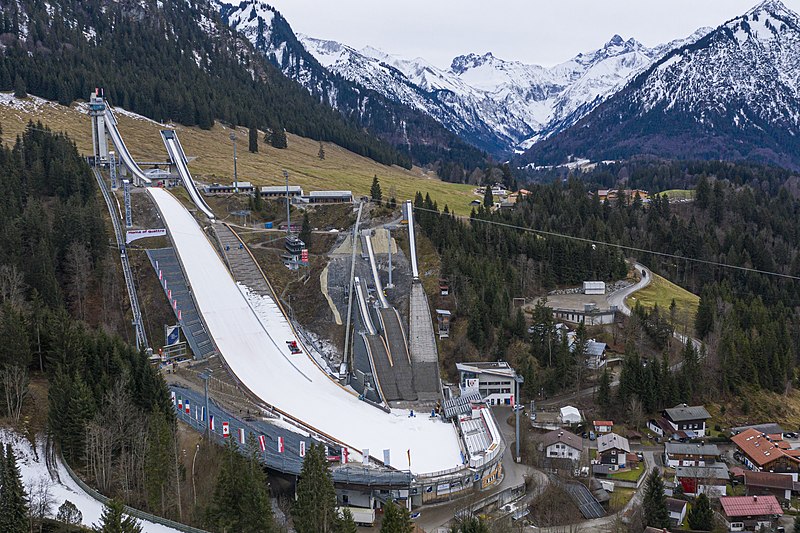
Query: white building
column 563, row 445
column 569, row 415
column 496, row 382
column 594, row 287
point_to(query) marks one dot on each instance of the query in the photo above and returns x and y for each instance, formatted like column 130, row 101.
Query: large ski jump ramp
column 251, row 337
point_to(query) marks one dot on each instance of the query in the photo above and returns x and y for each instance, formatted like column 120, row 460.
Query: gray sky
column 546, row 32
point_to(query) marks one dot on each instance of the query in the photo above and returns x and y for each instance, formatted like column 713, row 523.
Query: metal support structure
column 235, row 174
column 141, row 338
column 126, row 186
column 347, row 353
column 288, row 213
column 517, row 410
column 389, row 235
column 112, row 169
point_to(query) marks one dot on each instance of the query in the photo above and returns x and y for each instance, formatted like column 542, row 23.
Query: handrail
column 136, row 513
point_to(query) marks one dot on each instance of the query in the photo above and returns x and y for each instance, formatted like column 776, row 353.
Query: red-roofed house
column 603, row 426
column 750, row 513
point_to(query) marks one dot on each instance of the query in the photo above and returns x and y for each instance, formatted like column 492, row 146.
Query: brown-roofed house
column 562, row 444
column 761, row 453
column 769, row 483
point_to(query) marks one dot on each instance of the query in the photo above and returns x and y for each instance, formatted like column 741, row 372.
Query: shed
column 570, row 415
column 594, row 287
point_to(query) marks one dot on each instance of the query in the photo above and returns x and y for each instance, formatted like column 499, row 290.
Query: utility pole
column 517, row 409
column 288, row 214
column 235, row 175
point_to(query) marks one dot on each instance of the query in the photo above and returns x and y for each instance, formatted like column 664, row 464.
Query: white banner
column 135, row 234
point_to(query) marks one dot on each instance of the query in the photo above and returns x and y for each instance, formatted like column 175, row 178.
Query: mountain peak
column 463, row 63
column 776, row 8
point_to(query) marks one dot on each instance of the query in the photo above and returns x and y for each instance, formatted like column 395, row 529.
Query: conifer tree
column 13, row 500
column 252, row 136
column 278, row 137
column 321, row 153
column 655, row 502
column 470, row 525
column 68, row 513
column 604, row 391
column 396, row 519
column 20, row 89
column 488, row 198
column 701, row 517
column 114, row 520
column 258, row 201
column 305, row 230
column 375, row 191
column 314, row 511
column 347, row 524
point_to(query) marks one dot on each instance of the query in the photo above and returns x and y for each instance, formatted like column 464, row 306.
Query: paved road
column 618, row 298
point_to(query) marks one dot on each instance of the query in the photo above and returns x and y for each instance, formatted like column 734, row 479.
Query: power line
column 623, row 247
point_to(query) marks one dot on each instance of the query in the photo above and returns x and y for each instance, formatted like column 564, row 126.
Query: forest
column 742, row 215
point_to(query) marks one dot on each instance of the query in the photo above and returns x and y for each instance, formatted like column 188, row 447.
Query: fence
column 130, row 510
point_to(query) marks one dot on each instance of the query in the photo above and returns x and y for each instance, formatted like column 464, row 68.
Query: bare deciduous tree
column 12, row 286
column 635, row 412
column 41, row 502
column 15, row 388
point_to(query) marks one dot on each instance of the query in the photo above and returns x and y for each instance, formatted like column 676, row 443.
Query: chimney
column 755, row 498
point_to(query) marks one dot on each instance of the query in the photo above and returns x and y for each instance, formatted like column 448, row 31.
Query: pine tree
column 158, row 473
column 396, row 519
column 20, row 89
column 701, row 517
column 347, row 524
column 704, row 320
column 258, row 201
column 797, row 523
column 278, row 137
column 68, row 513
column 314, row 511
column 604, row 391
column 114, row 520
column 375, row 190
column 252, row 135
column 305, row 230
column 13, row 500
column 321, row 153
column 488, row 198
column 655, row 502
column 470, row 525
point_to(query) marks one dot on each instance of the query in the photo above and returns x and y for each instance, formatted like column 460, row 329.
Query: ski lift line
column 624, row 247
column 124, row 154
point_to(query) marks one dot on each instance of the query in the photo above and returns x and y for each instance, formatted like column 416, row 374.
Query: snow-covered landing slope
column 254, row 347
column 33, row 469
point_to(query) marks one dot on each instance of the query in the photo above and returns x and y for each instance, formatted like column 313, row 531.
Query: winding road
column 618, row 298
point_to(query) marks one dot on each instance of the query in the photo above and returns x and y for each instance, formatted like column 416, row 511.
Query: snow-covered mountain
column 733, row 94
column 491, row 101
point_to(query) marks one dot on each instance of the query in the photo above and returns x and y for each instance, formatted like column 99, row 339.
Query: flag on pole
column 345, row 454
column 169, row 294
column 188, row 409
column 302, row 448
column 226, row 430
column 165, row 283
column 175, row 304
column 180, row 403
column 262, row 442
column 172, row 396
column 365, row 456
column 211, row 422
column 196, row 413
column 512, row 400
column 203, row 413
column 157, row 266
column 327, row 452
column 386, row 457
column 241, row 435
column 179, row 315
column 280, row 444
column 160, row 276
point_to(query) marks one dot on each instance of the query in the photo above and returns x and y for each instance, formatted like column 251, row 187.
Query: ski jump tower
column 97, row 110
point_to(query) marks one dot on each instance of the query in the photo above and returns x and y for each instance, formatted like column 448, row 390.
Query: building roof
column 759, row 448
column 683, row 412
column 768, row 480
column 569, row 411
column 330, row 194
column 296, row 189
column 717, row 471
column 564, row 437
column 768, row 428
column 675, row 506
column 677, row 448
column 595, row 349
column 497, row 368
column 741, row 506
column 612, row 441
column 603, row 423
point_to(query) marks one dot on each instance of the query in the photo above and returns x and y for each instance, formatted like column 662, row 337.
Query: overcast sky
column 546, row 32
